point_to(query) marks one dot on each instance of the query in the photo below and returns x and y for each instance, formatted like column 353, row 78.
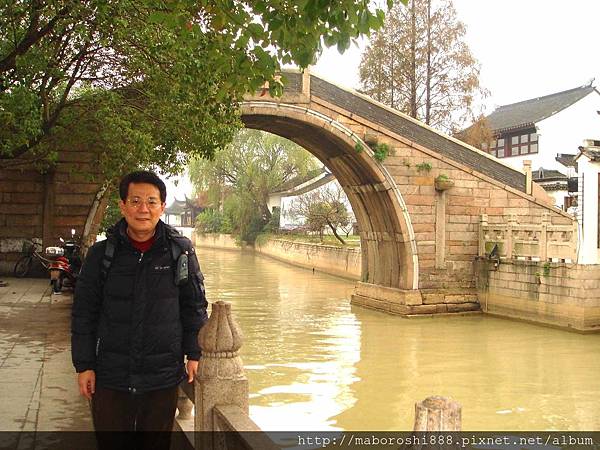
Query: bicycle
column 24, row 263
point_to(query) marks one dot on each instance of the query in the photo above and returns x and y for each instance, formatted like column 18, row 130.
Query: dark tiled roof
column 566, row 159
column 555, row 187
column 297, row 181
column 594, row 155
column 177, row 207
column 542, row 174
column 528, row 112
column 416, row 132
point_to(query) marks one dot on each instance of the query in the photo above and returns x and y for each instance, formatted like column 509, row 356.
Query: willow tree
column 150, row 81
column 241, row 176
column 419, row 63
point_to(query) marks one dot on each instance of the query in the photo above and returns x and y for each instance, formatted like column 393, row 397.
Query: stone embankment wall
column 343, row 262
column 219, row 241
column 558, row 294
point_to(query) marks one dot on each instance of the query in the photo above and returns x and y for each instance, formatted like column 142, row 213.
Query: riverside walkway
column 37, row 381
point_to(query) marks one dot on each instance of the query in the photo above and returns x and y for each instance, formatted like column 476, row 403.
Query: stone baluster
column 220, row 379
column 437, row 414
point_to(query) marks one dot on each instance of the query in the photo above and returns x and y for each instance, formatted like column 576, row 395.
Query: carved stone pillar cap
column 221, row 334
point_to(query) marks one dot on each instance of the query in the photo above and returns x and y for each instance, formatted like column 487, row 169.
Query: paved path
column 38, row 388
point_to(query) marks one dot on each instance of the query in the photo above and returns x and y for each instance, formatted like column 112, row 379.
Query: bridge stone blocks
column 45, row 206
column 562, row 295
column 419, row 244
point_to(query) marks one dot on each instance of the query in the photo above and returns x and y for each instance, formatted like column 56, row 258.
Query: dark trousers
column 134, row 421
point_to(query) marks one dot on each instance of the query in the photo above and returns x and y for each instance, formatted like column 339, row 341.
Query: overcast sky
column 526, row 48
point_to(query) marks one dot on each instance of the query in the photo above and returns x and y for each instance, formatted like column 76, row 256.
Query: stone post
column 220, row 379
column 528, row 176
column 437, row 414
column 441, row 186
column 544, row 237
column 512, row 221
column 483, row 222
column 184, row 406
column 306, row 82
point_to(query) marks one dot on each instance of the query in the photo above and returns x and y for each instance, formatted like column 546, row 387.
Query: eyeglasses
column 151, row 203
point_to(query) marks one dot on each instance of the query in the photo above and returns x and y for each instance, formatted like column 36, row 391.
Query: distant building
column 283, row 199
column 545, row 130
column 587, row 210
column 182, row 213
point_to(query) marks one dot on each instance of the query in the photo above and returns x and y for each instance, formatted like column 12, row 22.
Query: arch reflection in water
column 315, row 363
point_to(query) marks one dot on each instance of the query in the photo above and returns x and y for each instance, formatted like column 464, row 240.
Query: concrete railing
column 220, row 390
column 536, row 242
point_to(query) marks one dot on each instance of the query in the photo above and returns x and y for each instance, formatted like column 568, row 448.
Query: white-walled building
column 587, row 210
column 546, row 130
column 283, row 200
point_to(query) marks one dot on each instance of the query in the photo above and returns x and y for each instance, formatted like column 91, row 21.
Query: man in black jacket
column 135, row 316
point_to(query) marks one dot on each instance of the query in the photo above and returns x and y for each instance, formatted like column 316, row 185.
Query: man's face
column 142, row 208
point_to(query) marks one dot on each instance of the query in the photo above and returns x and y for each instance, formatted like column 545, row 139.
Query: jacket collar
column 119, row 230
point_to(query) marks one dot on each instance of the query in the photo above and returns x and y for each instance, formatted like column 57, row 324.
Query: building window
column 514, row 145
column 497, row 147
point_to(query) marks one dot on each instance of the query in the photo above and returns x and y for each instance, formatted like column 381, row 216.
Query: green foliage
column 244, row 174
column 442, row 177
column 381, row 151
column 273, row 225
column 424, row 167
column 358, row 147
column 112, row 214
column 546, row 269
column 209, row 221
column 151, row 82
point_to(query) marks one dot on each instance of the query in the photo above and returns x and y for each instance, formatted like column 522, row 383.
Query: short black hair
column 142, row 176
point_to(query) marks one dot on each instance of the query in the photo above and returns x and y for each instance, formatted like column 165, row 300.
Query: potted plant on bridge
column 443, row 183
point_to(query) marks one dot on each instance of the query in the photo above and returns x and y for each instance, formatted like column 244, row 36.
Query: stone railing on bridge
column 220, row 390
column 525, row 241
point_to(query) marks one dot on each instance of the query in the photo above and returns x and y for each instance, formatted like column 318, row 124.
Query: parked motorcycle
column 65, row 263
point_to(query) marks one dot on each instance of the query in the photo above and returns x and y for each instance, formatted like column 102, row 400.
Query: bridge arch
column 389, row 249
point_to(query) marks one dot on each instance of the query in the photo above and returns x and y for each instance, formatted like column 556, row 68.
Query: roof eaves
column 514, row 127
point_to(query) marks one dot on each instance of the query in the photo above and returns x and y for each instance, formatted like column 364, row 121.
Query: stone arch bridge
column 419, row 233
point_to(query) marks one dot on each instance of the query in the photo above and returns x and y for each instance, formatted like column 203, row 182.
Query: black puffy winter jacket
column 134, row 327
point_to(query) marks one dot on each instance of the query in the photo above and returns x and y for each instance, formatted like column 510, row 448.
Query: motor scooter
column 65, row 263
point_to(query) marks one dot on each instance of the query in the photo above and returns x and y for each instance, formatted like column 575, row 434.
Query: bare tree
column 419, row 63
column 322, row 208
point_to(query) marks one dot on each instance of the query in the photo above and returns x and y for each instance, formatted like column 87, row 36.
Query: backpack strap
column 108, row 257
column 178, row 255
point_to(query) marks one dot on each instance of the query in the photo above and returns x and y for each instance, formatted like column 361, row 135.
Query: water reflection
column 314, row 362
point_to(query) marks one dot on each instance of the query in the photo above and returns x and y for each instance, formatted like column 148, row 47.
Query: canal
column 314, row 362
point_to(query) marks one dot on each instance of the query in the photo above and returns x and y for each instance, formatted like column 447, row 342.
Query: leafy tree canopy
column 151, row 81
column 245, row 172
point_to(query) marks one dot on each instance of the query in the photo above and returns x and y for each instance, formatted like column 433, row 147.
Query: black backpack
column 178, row 255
